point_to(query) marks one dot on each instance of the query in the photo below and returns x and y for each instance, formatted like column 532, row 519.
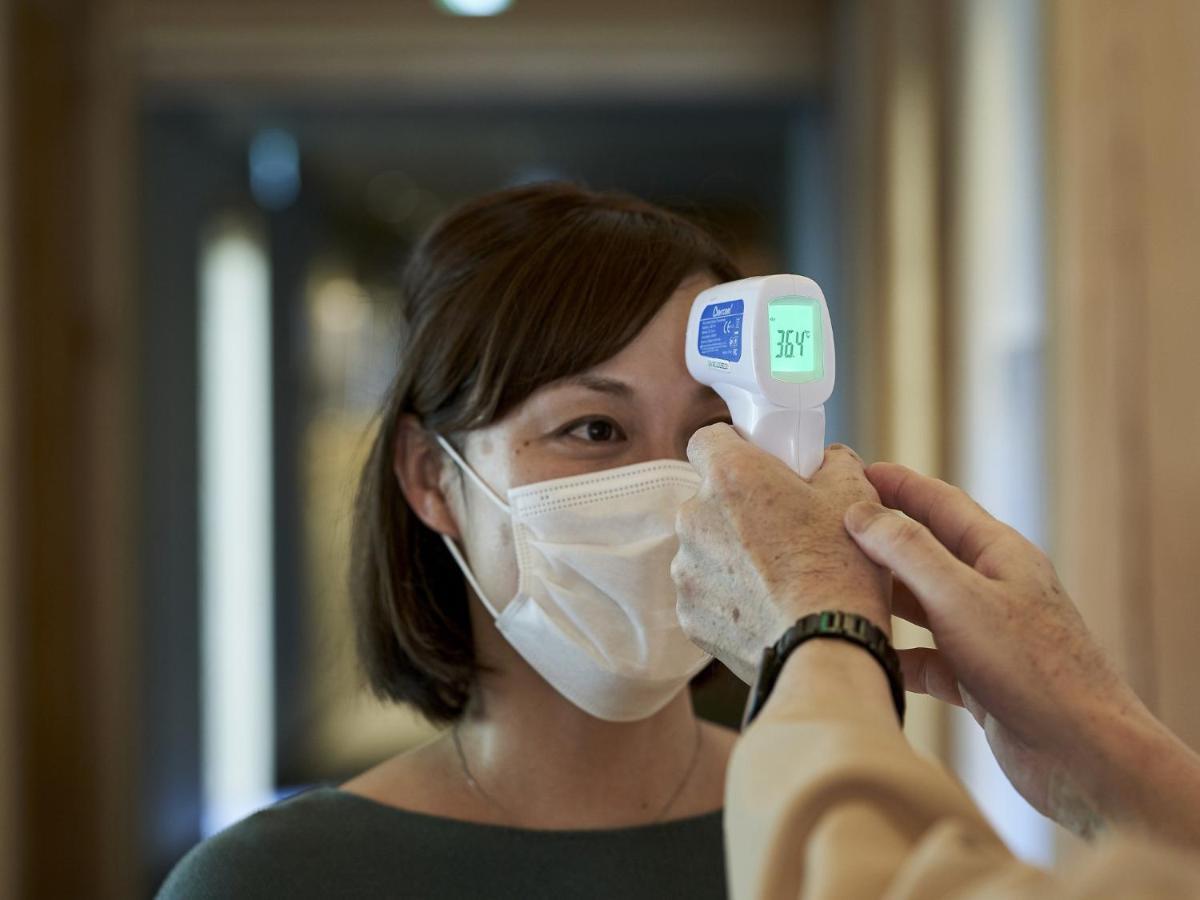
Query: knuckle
column 845, row 452
column 856, row 487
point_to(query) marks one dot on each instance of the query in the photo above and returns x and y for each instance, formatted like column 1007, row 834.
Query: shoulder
column 270, row 853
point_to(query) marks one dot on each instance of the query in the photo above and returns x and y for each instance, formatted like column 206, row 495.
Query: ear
column 418, row 463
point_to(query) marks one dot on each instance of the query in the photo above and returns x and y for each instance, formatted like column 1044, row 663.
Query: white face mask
column 594, row 611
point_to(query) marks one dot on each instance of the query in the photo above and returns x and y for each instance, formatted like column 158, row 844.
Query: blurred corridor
column 203, row 208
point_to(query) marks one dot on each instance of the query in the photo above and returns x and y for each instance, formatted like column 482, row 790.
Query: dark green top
column 327, row 842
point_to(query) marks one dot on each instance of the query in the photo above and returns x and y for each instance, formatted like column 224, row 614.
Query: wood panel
column 1125, row 194
column 114, row 537
column 10, row 847
column 71, row 344
column 59, row 784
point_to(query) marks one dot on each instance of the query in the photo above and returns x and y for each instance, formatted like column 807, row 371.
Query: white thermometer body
column 765, row 345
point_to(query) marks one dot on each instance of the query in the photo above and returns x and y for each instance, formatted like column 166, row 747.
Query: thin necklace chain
column 478, row 788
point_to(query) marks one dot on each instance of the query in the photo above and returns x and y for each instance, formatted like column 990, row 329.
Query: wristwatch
column 842, row 626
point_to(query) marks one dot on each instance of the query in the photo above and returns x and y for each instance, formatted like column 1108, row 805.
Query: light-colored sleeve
column 823, row 808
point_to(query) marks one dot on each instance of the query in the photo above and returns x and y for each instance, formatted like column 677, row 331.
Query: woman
column 513, row 536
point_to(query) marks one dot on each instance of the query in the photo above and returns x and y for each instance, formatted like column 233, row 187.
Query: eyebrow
column 617, row 388
column 600, row 384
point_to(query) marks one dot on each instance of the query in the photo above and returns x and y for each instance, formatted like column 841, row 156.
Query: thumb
column 933, row 574
column 711, row 442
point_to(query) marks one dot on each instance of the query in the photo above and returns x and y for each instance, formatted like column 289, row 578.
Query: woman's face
column 640, row 405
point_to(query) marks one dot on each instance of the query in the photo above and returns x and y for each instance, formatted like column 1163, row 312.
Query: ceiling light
column 474, row 7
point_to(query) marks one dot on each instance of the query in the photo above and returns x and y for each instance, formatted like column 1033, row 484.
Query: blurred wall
column 949, row 217
column 995, row 374
column 1125, row 195
column 539, row 48
column 891, row 82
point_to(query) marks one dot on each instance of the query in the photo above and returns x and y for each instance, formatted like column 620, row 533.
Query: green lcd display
column 795, row 334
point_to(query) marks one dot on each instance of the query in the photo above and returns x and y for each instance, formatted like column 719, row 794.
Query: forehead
column 659, row 347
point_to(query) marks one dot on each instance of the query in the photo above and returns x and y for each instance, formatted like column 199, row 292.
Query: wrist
column 865, row 590
column 1142, row 777
column 828, row 625
column 831, row 679
column 863, row 603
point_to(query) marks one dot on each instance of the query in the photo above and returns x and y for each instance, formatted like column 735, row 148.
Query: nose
column 667, row 440
column 663, row 447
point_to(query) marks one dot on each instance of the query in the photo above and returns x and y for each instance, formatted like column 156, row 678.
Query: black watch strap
column 843, row 626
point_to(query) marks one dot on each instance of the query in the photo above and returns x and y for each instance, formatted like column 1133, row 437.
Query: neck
column 548, row 764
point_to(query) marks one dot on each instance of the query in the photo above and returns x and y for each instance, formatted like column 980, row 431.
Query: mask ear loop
column 470, row 473
column 450, row 544
column 469, row 575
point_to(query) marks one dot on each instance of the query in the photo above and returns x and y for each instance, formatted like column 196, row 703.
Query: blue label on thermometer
column 720, row 332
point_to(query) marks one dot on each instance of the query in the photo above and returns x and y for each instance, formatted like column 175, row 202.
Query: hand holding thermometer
column 765, row 345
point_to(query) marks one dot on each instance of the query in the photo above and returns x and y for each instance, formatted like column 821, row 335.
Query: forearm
column 1142, row 778
column 825, row 772
column 825, row 798
column 1133, row 773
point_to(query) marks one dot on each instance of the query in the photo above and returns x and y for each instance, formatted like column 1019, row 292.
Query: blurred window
column 237, row 528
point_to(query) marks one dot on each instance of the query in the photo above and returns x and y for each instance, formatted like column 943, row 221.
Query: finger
column 906, row 606
column 712, row 442
column 973, row 706
column 934, row 576
column 730, row 464
column 685, row 518
column 848, row 449
column 926, row 671
column 963, row 526
column 841, row 464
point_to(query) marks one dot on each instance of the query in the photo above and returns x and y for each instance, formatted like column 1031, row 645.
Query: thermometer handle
column 796, row 436
column 810, row 441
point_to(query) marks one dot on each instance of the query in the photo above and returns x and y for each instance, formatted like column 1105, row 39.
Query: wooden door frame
column 10, row 832
column 69, row 424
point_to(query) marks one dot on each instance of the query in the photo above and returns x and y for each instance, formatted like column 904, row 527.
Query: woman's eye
column 596, row 431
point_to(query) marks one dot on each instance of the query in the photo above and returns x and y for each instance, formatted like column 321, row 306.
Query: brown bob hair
column 507, row 293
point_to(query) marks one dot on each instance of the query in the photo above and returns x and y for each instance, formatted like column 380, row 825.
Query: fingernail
column 861, row 515
column 847, row 449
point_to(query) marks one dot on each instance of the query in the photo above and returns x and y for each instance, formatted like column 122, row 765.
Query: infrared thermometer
column 765, row 345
